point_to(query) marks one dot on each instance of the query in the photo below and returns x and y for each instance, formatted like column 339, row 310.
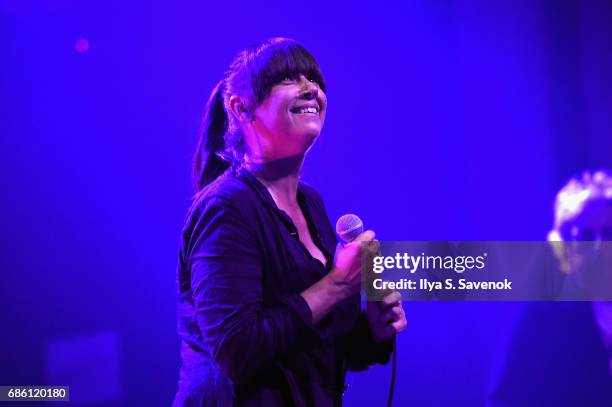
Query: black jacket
column 247, row 335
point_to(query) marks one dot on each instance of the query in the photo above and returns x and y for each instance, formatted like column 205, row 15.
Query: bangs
column 278, row 59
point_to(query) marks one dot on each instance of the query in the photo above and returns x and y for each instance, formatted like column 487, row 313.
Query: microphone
column 348, row 227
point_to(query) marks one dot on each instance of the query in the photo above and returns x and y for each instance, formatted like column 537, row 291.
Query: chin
column 310, row 138
column 312, row 132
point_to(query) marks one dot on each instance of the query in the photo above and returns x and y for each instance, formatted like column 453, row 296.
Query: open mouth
column 305, row 110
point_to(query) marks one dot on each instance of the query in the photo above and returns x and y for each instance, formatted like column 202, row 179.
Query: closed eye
column 309, row 78
column 288, row 81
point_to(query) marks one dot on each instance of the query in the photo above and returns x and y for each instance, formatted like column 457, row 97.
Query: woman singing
column 269, row 312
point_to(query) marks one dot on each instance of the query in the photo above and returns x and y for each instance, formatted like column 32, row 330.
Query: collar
column 263, row 193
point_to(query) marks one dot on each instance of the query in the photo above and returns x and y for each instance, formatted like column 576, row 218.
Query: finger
column 390, row 331
column 393, row 297
column 399, row 326
column 391, row 315
column 365, row 236
column 370, row 250
column 372, row 247
column 390, row 300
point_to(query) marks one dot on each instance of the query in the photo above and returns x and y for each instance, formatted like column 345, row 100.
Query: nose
column 308, row 90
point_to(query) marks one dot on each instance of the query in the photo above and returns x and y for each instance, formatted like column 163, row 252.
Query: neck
column 281, row 177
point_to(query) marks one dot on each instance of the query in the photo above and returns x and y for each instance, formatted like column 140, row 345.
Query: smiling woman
column 268, row 309
column 277, row 65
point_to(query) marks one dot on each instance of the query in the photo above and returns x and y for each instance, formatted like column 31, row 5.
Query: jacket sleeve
column 242, row 334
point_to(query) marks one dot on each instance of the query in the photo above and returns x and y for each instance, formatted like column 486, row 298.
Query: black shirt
column 247, row 334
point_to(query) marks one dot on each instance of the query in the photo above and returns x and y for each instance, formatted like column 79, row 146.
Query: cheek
column 324, row 99
column 280, row 112
column 273, row 116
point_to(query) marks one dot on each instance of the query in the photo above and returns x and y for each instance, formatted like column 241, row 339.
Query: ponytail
column 207, row 162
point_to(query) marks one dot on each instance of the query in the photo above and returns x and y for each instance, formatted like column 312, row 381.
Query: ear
column 239, row 109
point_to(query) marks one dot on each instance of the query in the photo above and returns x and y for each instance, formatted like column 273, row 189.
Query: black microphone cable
column 393, row 371
column 348, row 227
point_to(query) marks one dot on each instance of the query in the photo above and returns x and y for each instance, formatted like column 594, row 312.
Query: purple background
column 447, row 120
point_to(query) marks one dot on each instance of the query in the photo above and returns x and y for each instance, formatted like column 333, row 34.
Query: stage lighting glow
column 81, row 45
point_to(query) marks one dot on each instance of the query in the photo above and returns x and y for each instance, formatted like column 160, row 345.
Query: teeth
column 308, row 110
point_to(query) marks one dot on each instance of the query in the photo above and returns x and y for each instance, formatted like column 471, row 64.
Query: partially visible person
column 583, row 222
column 561, row 352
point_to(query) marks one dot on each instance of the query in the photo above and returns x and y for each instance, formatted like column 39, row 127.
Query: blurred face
column 288, row 121
column 593, row 222
column 590, row 257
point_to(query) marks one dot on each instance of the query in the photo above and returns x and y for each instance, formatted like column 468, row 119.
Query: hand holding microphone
column 357, row 246
column 386, row 317
column 344, row 280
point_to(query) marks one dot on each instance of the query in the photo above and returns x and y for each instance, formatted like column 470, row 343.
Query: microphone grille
column 348, row 227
